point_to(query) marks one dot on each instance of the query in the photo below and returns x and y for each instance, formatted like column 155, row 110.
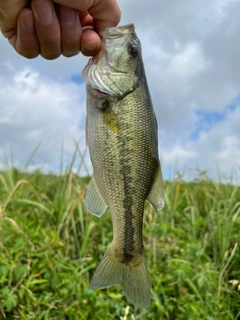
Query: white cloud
column 35, row 108
column 178, row 154
column 218, row 151
column 229, row 150
column 188, row 62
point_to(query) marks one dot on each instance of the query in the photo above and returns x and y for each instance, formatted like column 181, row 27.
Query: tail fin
column 133, row 279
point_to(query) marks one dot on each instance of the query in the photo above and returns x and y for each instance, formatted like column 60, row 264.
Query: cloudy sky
column 191, row 52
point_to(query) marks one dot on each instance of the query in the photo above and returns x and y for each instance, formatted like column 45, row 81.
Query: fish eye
column 133, row 49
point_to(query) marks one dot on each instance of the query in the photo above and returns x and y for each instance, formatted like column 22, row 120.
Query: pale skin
column 49, row 29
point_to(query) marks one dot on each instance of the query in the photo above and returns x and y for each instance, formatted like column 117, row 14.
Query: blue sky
column 206, row 121
column 191, row 57
column 77, row 78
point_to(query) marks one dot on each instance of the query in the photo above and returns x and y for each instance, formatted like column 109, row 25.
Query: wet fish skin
column 122, row 139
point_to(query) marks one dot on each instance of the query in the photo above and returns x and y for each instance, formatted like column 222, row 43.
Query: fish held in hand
column 121, row 134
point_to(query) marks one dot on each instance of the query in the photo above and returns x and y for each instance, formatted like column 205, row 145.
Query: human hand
column 53, row 28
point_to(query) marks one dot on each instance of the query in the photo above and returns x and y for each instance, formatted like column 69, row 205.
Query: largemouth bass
column 122, row 139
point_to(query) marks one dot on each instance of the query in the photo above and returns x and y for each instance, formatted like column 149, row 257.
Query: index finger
column 105, row 13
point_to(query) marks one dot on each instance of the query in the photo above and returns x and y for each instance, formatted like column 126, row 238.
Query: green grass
column 50, row 246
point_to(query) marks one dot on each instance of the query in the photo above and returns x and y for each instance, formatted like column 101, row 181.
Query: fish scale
column 122, row 140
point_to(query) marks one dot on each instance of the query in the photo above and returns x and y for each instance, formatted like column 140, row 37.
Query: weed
column 50, row 246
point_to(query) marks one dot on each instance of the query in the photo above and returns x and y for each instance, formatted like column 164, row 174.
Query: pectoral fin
column 156, row 195
column 94, row 201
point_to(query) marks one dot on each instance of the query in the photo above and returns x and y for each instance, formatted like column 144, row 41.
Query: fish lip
column 118, row 31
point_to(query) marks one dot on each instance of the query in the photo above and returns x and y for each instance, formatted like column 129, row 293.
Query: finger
column 47, row 28
column 71, row 30
column 25, row 42
column 90, row 43
column 105, row 13
column 85, row 18
column 9, row 16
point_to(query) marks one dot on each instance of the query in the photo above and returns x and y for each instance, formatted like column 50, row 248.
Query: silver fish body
column 122, row 140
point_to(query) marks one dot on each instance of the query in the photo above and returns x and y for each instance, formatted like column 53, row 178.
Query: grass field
column 50, row 247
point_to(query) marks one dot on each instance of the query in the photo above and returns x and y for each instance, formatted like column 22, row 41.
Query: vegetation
column 50, row 247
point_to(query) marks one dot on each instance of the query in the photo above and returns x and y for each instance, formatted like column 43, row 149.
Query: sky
column 191, row 53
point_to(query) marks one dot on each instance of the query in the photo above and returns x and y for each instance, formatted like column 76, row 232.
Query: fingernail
column 67, row 15
column 44, row 11
column 90, row 46
column 28, row 21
